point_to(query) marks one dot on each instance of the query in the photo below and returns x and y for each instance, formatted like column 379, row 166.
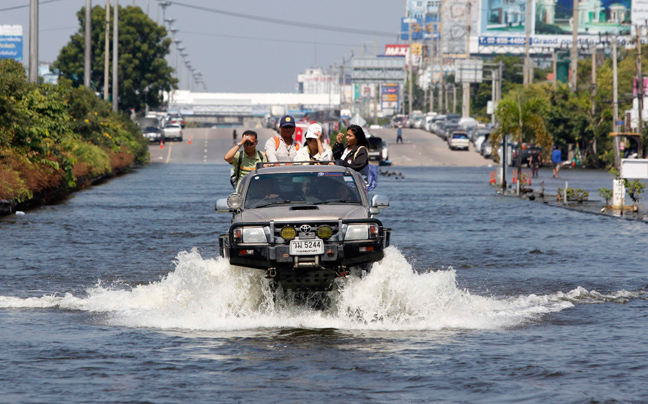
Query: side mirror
column 380, row 202
column 221, row 206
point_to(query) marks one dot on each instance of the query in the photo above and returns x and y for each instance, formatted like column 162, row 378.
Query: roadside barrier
column 492, row 177
column 161, row 144
column 189, row 139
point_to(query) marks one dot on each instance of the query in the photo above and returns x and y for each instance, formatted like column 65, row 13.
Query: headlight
column 234, row 201
column 254, row 235
column 361, row 232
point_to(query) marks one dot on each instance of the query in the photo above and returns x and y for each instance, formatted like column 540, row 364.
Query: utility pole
column 574, row 50
column 107, row 52
column 33, row 41
column 640, row 93
column 500, row 76
column 555, row 69
column 441, row 58
column 615, row 101
column 527, row 61
column 115, row 78
column 465, row 105
column 454, row 98
column 593, row 80
column 431, row 70
column 409, row 70
column 88, row 32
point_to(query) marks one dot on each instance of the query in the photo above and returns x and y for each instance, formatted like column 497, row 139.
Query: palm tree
column 523, row 121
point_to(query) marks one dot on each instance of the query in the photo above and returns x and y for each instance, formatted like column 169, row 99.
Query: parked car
column 458, row 140
column 173, row 131
column 153, row 134
column 481, row 138
column 487, row 149
column 305, row 226
column 378, row 150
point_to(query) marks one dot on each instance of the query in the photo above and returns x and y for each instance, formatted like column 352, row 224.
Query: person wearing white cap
column 313, row 149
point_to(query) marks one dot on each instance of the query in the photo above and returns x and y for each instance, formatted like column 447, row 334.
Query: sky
column 261, row 46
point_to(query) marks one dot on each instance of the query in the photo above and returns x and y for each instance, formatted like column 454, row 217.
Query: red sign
column 396, row 50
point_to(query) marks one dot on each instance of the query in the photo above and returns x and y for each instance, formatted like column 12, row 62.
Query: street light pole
column 465, row 105
column 33, row 41
column 115, row 78
column 441, row 56
column 88, row 44
column 107, row 52
column 574, row 50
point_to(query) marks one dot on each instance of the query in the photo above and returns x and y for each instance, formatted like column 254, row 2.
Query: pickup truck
column 304, row 225
column 172, row 131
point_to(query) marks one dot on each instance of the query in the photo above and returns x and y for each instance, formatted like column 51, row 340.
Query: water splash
column 209, row 294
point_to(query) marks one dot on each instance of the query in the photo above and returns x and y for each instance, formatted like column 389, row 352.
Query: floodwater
column 118, row 295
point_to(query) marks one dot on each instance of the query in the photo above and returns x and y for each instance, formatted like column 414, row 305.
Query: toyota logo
column 305, row 228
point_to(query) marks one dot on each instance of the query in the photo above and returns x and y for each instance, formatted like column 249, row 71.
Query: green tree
column 143, row 71
column 522, row 119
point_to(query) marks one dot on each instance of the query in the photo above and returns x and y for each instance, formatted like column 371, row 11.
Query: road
column 420, row 148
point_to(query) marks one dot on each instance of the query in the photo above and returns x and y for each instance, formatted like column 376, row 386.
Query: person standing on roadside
column 283, row 147
column 556, row 159
column 534, row 163
column 245, row 162
column 234, row 137
column 399, row 135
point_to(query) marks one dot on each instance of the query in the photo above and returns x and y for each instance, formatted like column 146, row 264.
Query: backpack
column 369, row 173
column 278, row 142
column 234, row 173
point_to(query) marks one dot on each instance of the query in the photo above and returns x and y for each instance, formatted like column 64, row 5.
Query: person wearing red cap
column 283, row 147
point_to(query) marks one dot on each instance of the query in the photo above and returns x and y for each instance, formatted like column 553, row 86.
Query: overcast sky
column 237, row 54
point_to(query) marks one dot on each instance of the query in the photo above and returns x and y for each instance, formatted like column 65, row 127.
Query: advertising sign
column 389, row 96
column 421, row 28
column 403, row 50
column 503, row 22
column 11, row 42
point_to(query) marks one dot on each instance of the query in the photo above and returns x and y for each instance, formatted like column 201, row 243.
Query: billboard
column 11, row 42
column 422, row 28
column 403, row 50
column 503, row 22
column 389, row 96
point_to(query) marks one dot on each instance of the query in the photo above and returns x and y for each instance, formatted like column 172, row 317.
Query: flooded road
column 118, row 295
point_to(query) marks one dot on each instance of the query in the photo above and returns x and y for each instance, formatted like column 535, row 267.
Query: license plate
column 307, row 247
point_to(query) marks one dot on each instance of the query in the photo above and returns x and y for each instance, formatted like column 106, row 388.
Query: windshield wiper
column 336, row 201
column 278, row 203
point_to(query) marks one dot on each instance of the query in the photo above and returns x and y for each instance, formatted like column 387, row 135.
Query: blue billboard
column 421, row 28
column 11, row 47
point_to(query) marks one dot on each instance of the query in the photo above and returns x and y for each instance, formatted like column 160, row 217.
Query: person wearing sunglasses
column 245, row 161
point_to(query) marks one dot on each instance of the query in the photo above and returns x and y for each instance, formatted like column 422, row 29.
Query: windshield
column 460, row 136
column 301, row 188
column 375, row 143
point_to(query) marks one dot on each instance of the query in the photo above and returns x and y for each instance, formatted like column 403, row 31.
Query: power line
column 27, row 5
column 266, row 39
column 288, row 22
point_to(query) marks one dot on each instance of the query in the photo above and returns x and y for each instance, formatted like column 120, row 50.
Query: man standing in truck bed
column 283, row 147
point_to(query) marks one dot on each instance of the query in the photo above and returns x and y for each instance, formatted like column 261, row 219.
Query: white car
column 458, row 140
column 173, row 131
column 479, row 141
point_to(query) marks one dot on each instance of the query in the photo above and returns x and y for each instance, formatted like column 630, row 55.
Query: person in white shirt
column 283, row 147
column 313, row 149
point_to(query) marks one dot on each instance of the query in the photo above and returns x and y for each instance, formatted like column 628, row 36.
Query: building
column 507, row 13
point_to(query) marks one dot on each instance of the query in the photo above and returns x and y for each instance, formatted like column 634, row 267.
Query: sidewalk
column 586, row 179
